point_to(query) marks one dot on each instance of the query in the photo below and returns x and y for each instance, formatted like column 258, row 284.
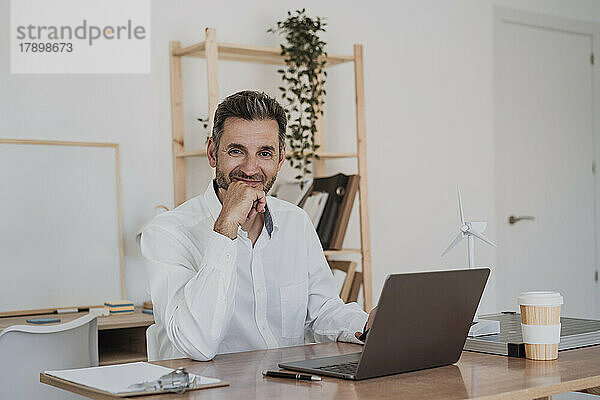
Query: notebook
column 120, row 380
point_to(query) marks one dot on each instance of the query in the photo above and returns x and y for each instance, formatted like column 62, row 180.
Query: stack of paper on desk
column 118, row 379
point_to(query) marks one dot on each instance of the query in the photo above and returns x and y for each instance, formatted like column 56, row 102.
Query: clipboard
column 127, row 380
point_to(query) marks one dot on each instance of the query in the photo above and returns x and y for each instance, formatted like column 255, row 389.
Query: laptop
column 422, row 321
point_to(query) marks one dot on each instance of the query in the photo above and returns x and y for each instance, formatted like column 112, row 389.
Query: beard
column 224, row 181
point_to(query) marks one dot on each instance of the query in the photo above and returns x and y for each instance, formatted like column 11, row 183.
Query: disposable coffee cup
column 540, row 324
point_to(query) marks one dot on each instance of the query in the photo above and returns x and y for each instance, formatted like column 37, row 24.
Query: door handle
column 512, row 219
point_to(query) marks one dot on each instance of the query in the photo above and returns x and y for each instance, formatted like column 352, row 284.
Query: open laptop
column 422, row 321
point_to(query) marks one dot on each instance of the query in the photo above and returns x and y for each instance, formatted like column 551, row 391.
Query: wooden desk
column 475, row 376
column 121, row 338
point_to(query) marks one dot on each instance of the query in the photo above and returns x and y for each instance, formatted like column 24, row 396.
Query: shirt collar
column 215, row 206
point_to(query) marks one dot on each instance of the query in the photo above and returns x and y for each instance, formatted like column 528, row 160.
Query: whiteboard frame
column 115, row 146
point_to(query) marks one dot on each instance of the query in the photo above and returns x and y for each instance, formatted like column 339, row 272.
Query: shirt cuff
column 357, row 325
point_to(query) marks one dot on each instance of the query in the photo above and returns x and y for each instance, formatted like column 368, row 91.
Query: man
column 234, row 269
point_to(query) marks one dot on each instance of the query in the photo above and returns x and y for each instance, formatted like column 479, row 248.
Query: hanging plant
column 304, row 76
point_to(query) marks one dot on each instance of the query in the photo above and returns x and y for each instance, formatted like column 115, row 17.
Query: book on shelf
column 292, row 192
column 339, row 231
column 341, row 191
column 314, row 206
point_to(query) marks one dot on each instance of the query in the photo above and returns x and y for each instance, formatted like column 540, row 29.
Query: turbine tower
column 472, row 230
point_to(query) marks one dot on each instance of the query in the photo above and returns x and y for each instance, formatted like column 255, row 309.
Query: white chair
column 27, row 350
column 152, row 343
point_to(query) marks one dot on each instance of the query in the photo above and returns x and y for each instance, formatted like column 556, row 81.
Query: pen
column 291, row 375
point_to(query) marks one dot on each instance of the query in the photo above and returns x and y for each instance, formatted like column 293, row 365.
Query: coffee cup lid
column 547, row 299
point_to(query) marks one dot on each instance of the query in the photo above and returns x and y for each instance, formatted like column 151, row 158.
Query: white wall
column 428, row 67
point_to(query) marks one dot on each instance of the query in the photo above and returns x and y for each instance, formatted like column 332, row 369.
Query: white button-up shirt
column 215, row 295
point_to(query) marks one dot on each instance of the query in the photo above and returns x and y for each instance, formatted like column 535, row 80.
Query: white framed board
column 61, row 241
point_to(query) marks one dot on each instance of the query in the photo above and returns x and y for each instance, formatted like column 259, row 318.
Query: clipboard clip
column 177, row 381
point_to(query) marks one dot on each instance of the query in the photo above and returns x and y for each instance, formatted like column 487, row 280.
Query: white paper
column 118, row 378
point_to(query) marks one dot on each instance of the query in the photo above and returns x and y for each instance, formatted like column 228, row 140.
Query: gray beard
column 223, row 181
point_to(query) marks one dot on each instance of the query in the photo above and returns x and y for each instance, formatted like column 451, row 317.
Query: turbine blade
column 462, row 215
column 481, row 237
column 457, row 239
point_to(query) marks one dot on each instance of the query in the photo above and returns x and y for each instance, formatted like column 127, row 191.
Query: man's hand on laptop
column 240, row 203
column 367, row 326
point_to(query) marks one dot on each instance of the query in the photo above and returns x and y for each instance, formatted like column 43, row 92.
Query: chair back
column 27, row 350
column 152, row 343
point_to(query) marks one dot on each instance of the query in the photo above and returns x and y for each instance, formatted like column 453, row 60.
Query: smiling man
column 234, row 269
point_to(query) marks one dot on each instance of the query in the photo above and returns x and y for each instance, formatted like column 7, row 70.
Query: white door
column 544, row 146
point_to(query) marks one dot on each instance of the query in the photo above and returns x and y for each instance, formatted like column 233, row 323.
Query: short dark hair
column 251, row 106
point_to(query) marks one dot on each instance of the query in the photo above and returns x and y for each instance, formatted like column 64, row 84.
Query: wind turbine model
column 471, row 230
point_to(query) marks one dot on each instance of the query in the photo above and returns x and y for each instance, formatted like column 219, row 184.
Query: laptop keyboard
column 346, row 368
